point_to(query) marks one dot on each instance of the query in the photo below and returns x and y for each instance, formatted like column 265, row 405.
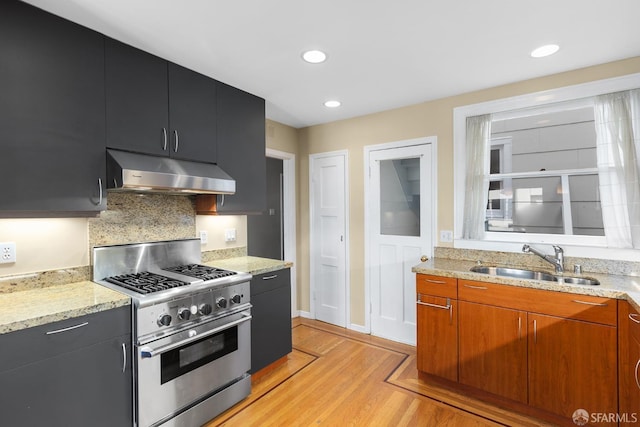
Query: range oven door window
column 188, row 357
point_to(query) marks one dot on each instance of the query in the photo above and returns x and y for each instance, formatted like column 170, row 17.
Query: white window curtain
column 617, row 119
column 477, row 179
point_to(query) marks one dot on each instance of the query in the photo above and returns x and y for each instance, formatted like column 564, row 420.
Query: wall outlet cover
column 446, row 236
column 203, row 237
column 7, row 252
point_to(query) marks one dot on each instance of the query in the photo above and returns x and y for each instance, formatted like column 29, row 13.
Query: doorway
column 399, row 229
column 328, row 208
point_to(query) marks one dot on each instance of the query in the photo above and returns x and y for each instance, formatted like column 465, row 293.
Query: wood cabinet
column 493, row 349
column 629, row 360
column 52, row 114
column 437, row 326
column 271, row 323
column 157, row 107
column 555, row 352
column 76, row 372
column 572, row 365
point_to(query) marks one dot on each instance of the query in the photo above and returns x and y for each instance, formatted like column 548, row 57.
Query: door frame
column 312, row 248
column 433, row 141
column 289, row 217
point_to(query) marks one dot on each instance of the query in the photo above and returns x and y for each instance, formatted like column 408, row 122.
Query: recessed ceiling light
column 545, row 50
column 314, row 56
column 332, row 104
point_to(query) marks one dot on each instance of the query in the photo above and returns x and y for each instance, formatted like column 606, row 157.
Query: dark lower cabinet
column 75, row 377
column 271, row 323
column 52, row 113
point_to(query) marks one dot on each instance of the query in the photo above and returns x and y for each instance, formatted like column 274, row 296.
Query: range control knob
column 221, row 302
column 164, row 320
column 205, row 309
column 236, row 299
column 194, row 309
column 184, row 313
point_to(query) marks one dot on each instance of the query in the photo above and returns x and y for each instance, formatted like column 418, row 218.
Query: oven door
column 181, row 369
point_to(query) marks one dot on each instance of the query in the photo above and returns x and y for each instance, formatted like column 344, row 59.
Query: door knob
column 424, row 258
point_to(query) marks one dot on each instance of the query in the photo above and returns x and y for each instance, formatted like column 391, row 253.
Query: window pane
column 400, row 197
column 585, row 205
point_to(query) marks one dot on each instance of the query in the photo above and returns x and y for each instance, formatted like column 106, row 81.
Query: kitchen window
column 532, row 169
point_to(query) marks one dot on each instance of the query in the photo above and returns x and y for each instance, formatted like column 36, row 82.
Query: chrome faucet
column 557, row 260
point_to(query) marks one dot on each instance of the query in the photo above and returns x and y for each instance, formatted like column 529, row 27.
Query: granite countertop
column 250, row 264
column 611, row 285
column 34, row 307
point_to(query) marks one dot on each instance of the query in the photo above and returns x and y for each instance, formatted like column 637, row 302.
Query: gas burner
column 145, row 282
column 200, row 271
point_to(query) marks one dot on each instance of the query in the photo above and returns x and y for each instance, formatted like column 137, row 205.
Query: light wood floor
column 337, row 377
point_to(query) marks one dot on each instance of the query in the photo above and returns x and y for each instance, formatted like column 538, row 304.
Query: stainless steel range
column 191, row 330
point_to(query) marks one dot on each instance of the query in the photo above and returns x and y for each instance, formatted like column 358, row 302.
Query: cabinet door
column 192, row 115
column 241, row 150
column 437, row 340
column 572, row 365
column 137, row 99
column 87, row 387
column 493, row 349
column 52, row 113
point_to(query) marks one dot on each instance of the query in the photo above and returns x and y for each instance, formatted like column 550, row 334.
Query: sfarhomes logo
column 581, row 417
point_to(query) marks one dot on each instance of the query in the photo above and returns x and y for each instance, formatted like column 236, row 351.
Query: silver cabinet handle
column 70, row 328
column 633, row 317
column 519, row 327
column 124, row 357
column 221, row 200
column 598, row 304
column 164, row 139
column 535, row 331
column 437, row 282
column 484, row 288
column 175, row 133
column 270, row 277
column 100, row 190
column 636, row 372
column 438, row 306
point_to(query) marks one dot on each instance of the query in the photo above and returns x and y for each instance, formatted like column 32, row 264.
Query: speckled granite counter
column 611, row 286
column 34, row 307
column 250, row 264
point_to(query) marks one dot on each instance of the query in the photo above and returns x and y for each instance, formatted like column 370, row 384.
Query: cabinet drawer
column 562, row 304
column 53, row 339
column 446, row 287
column 269, row 281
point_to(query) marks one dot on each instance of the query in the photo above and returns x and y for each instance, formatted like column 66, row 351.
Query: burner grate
column 200, row 271
column 145, row 282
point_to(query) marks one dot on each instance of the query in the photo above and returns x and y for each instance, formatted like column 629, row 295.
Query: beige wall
column 434, row 118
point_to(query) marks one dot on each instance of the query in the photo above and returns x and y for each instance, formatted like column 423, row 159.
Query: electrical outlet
column 203, row 237
column 230, row 235
column 7, row 252
column 446, row 236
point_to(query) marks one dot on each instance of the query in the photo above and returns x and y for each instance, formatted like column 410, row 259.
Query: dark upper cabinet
column 192, row 115
column 52, row 114
column 157, row 107
column 241, row 149
column 137, row 99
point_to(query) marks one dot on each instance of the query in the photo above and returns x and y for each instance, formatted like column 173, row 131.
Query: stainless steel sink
column 513, row 272
column 518, row 273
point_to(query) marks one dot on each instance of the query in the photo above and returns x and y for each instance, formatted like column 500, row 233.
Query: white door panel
column 328, row 238
column 400, row 227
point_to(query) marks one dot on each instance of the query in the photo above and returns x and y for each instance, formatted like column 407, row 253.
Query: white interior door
column 328, row 238
column 400, row 214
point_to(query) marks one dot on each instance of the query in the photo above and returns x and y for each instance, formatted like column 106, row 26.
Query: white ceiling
column 382, row 54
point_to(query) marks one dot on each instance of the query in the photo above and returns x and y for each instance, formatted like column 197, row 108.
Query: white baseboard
column 358, row 328
column 305, row 314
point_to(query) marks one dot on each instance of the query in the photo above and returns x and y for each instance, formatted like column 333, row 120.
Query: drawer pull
column 634, row 317
column 70, row 328
column 598, row 304
column 124, row 357
column 637, row 366
column 437, row 282
column 484, row 288
column 270, row 277
column 438, row 306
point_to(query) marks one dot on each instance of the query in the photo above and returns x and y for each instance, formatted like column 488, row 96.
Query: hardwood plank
column 339, row 377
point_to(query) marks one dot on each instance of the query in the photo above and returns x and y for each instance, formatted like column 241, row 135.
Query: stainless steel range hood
column 146, row 173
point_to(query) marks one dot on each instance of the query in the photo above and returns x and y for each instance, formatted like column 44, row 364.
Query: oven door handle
column 147, row 352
